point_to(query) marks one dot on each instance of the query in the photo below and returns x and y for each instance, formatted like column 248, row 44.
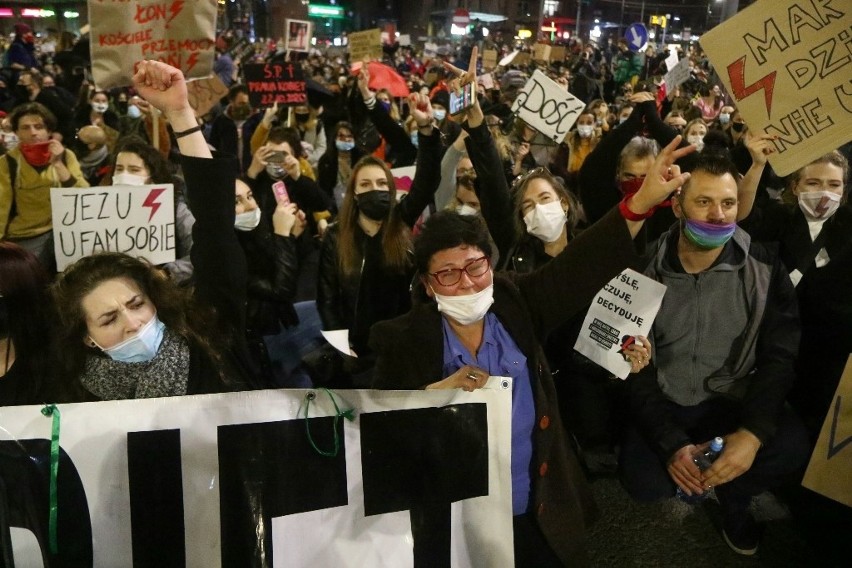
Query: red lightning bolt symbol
column 191, row 61
column 175, row 9
column 736, row 73
column 151, row 201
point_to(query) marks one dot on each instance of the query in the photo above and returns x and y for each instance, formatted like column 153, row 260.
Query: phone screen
column 280, row 191
column 461, row 100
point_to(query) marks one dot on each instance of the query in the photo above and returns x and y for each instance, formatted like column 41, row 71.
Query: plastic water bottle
column 703, row 460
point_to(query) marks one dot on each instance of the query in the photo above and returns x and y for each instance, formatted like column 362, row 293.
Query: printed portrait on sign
column 298, row 35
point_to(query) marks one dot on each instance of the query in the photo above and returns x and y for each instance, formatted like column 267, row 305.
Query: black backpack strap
column 13, row 177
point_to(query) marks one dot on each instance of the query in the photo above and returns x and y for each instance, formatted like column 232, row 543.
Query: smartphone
column 280, row 191
column 461, row 100
column 276, row 158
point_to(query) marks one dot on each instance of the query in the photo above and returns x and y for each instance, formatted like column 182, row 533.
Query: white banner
column 625, row 307
column 419, row 478
column 547, row 107
column 136, row 220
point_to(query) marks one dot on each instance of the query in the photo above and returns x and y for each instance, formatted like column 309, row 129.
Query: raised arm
column 428, row 173
column 760, row 147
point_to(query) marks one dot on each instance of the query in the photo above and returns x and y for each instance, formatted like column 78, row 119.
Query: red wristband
column 630, row 215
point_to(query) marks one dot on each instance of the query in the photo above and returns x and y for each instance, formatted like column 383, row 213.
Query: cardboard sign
column 831, row 462
column 547, row 106
column 270, row 83
column 678, row 75
column 787, row 65
column 489, row 58
column 557, row 52
column 181, row 34
column 522, row 58
column 298, row 36
column 365, row 46
column 225, row 480
column 204, row 94
column 541, row 52
column 625, row 307
column 136, row 220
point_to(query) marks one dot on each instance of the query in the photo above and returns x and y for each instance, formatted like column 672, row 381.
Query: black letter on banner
column 25, row 503
column 270, row 470
column 421, row 461
column 156, row 498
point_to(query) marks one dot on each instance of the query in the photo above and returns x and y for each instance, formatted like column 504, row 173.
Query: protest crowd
column 480, row 258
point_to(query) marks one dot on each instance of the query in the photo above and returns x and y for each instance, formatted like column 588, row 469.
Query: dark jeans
column 779, row 461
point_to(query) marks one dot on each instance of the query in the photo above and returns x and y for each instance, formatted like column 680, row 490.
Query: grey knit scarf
column 164, row 375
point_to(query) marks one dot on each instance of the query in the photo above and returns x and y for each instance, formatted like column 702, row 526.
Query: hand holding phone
column 461, row 99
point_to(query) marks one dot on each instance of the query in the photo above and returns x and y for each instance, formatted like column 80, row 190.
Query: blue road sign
column 636, row 36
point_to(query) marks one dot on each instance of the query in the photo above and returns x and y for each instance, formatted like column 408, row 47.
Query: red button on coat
column 542, row 469
column 544, row 422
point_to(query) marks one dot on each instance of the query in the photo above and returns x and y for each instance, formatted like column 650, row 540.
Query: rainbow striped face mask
column 708, row 236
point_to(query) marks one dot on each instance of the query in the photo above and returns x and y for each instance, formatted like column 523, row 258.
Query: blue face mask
column 415, row 139
column 385, row 105
column 141, row 347
column 344, row 146
column 133, row 111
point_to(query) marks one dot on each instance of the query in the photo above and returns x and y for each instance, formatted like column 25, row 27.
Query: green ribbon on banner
column 51, row 410
column 349, row 414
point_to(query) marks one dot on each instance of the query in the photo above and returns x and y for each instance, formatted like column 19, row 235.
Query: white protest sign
column 181, row 34
column 787, row 65
column 625, row 307
column 136, row 220
column 339, row 339
column 486, row 80
column 677, row 75
column 222, row 480
column 404, row 40
column 547, row 106
column 508, row 59
column 672, row 59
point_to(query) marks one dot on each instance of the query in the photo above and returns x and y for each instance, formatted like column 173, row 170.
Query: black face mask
column 738, row 126
column 22, row 93
column 302, row 116
column 374, row 204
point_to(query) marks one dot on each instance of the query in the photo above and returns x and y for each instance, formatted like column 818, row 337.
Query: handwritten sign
column 624, row 308
column 486, row 80
column 181, row 34
column 270, row 83
column 831, row 462
column 136, row 220
column 678, row 75
column 547, row 106
column 299, row 34
column 204, row 94
column 787, row 65
column 366, row 45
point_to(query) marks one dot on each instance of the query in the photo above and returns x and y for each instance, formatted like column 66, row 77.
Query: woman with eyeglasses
column 365, row 263
column 474, row 323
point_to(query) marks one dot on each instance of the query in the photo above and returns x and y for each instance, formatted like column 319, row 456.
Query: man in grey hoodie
column 725, row 340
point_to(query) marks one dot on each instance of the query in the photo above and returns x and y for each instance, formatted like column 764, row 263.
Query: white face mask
column 697, row 140
column 125, row 178
column 818, row 205
column 546, row 221
column 465, row 209
column 133, row 111
column 585, row 130
column 469, row 308
column 248, row 220
column 439, row 114
column 100, row 107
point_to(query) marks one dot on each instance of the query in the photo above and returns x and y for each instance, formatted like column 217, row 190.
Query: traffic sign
column 636, row 36
column 461, row 17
